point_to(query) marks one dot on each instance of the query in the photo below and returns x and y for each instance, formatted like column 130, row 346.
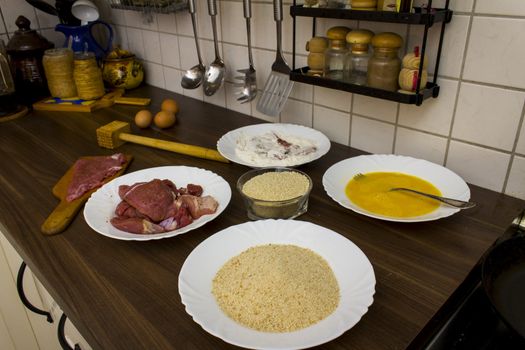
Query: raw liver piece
column 136, row 225
column 90, row 173
column 152, row 199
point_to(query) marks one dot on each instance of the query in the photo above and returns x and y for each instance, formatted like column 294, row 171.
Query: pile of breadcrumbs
column 276, row 288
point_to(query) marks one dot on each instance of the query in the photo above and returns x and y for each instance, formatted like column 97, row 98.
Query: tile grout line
column 456, row 100
column 514, row 147
column 398, row 105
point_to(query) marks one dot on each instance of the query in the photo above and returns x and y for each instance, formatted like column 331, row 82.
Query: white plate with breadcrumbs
column 449, row 183
column 100, row 207
column 255, row 146
column 351, row 267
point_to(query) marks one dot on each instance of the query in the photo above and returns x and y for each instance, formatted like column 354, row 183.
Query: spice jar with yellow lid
column 384, row 65
column 335, row 54
column 356, row 61
column 315, row 60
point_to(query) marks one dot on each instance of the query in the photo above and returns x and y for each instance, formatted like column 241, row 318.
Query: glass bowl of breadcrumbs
column 275, row 193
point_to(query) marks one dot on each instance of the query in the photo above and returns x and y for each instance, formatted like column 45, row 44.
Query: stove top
column 467, row 321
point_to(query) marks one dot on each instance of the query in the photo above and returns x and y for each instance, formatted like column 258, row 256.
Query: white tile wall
column 372, row 135
column 516, row 185
column 496, row 51
column 487, row 115
column 475, row 126
column 420, row 145
column 482, row 166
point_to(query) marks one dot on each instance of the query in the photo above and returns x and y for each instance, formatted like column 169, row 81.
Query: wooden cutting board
column 65, row 211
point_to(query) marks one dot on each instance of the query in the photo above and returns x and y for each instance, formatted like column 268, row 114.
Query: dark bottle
column 26, row 49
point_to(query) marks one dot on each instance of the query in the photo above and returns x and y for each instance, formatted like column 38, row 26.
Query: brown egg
column 169, row 105
column 164, row 119
column 143, row 118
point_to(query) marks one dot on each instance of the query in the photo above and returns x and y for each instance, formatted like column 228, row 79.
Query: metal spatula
column 278, row 86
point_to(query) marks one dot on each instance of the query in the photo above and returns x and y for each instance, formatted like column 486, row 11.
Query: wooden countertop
column 123, row 294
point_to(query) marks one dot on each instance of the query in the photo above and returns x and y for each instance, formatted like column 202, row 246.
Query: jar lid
column 361, row 36
column 364, row 4
column 27, row 39
column 387, row 40
column 337, row 33
column 317, row 44
column 84, row 55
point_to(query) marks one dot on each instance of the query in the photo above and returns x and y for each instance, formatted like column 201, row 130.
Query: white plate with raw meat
column 273, row 144
column 101, row 206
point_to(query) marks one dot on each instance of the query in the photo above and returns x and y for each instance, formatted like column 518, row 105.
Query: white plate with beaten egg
column 449, row 184
column 350, row 266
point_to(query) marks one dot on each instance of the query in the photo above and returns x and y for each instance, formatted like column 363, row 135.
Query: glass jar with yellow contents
column 384, row 66
column 335, row 54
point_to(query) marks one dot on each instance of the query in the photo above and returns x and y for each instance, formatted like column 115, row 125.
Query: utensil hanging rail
column 147, row 6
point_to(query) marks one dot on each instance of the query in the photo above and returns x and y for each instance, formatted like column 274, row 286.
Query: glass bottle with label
column 384, row 65
column 335, row 54
column 356, row 61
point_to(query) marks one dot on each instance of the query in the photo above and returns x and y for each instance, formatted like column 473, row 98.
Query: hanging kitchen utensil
column 193, row 77
column 43, row 6
column 214, row 76
column 85, row 10
column 503, row 276
column 63, row 8
column 278, row 86
column 249, row 83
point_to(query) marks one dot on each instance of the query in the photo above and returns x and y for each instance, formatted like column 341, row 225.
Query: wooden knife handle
column 182, row 148
column 61, row 217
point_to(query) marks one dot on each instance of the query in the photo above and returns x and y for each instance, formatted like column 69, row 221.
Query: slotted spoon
column 278, row 86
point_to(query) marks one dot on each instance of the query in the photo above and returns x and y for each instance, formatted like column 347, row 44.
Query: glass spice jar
column 356, row 61
column 335, row 54
column 384, row 65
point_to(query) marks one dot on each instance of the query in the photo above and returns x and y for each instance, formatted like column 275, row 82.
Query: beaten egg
column 371, row 192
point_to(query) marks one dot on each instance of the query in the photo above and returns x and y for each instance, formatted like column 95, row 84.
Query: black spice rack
column 420, row 16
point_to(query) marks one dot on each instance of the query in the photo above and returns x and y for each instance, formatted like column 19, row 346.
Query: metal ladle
column 214, row 76
column 194, row 76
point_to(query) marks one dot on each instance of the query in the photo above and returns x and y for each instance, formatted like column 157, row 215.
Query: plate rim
column 357, row 253
column 223, row 139
column 449, row 211
column 148, row 237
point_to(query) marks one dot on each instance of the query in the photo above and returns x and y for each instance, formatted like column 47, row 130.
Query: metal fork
column 249, row 85
column 456, row 203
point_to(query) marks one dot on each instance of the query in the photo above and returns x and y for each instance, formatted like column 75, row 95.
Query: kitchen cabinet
column 420, row 16
column 20, row 328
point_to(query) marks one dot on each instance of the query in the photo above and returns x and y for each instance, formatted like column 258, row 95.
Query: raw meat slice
column 136, row 225
column 89, row 173
column 152, row 199
column 199, row 206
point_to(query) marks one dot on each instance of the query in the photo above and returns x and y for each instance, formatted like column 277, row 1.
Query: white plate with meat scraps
column 352, row 269
column 451, row 185
column 100, row 208
column 269, row 144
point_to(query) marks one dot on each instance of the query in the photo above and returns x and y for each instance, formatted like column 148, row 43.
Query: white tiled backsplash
column 475, row 127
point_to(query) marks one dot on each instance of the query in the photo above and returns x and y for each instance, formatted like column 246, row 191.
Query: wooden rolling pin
column 114, row 134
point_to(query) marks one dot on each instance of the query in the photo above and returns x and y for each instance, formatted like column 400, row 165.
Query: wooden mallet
column 116, row 133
